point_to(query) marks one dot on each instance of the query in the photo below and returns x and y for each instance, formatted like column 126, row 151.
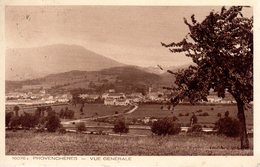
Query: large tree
column 221, row 47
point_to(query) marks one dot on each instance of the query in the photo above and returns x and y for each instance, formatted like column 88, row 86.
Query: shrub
column 227, row 126
column 205, row 114
column 120, row 127
column 193, row 119
column 165, row 126
column 198, row 111
column 53, row 123
column 180, row 114
column 174, row 118
column 39, row 130
column 227, row 114
column 187, row 114
column 62, row 130
column 212, row 108
column 28, row 121
column 219, row 115
column 8, row 117
column 196, row 128
column 15, row 122
column 81, row 127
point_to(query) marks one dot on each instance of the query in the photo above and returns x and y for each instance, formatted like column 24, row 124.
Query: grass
column 89, row 109
column 154, row 110
column 29, row 143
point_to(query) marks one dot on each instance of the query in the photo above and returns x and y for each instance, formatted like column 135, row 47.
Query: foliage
column 81, row 127
column 193, row 119
column 204, row 114
column 120, row 126
column 28, row 121
column 228, row 126
column 198, row 111
column 165, row 126
column 226, row 113
column 16, row 109
column 221, row 47
column 180, row 114
column 219, row 115
column 15, row 122
column 8, row 117
column 66, row 114
column 195, row 128
column 53, row 123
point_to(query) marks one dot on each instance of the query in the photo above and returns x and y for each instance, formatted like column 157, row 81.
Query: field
column 182, row 112
column 29, row 143
column 89, row 110
column 154, row 110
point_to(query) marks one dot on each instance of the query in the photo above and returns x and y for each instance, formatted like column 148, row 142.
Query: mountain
column 31, row 63
column 123, row 79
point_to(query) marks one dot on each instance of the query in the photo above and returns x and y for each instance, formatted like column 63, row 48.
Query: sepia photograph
column 118, row 80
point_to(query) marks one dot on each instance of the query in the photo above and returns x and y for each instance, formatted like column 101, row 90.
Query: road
column 94, row 118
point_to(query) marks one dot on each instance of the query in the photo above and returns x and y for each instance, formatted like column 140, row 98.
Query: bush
column 81, row 127
column 53, row 123
column 28, row 121
column 193, row 119
column 200, row 110
column 120, row 127
column 196, row 128
column 8, row 117
column 62, row 130
column 15, row 122
column 227, row 126
column 165, row 126
column 187, row 114
column 39, row 130
column 205, row 114
column 227, row 114
column 180, row 114
column 219, row 115
column 174, row 118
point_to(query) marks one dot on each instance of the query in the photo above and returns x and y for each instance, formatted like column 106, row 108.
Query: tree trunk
column 242, row 125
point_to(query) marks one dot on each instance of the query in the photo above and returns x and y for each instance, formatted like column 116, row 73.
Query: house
column 83, row 96
column 155, row 96
column 109, row 101
column 122, row 102
column 118, row 99
column 135, row 97
column 116, row 95
column 104, row 95
column 214, row 99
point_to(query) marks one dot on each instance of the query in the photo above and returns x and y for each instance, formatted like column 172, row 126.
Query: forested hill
column 125, row 78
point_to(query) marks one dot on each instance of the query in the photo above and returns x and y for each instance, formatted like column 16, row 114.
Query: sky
column 128, row 34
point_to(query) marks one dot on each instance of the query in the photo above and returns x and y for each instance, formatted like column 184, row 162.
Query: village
column 111, row 97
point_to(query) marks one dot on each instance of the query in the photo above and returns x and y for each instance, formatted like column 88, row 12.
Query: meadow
column 89, row 110
column 182, row 112
column 29, row 143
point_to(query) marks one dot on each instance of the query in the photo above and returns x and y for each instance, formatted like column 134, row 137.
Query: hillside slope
column 31, row 63
column 126, row 78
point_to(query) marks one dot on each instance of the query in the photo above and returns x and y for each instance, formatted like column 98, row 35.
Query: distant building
column 135, row 97
column 111, row 91
column 116, row 95
column 118, row 99
column 83, row 96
